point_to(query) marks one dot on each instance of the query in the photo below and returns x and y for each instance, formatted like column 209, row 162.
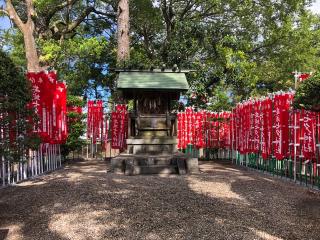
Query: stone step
column 155, row 162
column 150, row 162
column 152, row 169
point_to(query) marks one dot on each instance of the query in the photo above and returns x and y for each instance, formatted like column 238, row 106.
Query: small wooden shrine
column 151, row 143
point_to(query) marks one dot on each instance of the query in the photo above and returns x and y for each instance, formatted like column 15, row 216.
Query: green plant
column 308, row 94
column 17, row 120
column 76, row 126
column 75, row 101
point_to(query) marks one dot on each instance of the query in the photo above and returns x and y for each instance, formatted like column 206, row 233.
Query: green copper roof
column 152, row 80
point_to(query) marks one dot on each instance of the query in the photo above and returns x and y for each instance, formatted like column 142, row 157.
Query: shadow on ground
column 82, row 201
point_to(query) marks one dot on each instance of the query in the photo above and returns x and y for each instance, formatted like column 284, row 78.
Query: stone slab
column 192, row 165
column 131, row 164
column 155, row 169
column 152, row 141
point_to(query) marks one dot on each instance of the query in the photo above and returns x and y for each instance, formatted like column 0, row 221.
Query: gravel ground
column 84, row 202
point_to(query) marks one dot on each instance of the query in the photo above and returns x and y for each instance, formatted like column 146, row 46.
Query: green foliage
column 74, row 142
column 75, row 101
column 237, row 50
column 308, row 94
column 13, row 86
column 71, row 38
column 76, row 126
column 15, row 93
column 248, row 49
column 221, row 100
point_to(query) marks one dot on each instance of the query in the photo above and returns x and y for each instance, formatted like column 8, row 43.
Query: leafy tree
column 307, row 95
column 70, row 37
column 249, row 48
column 243, row 49
column 16, row 120
column 81, row 62
column 76, row 126
column 53, row 20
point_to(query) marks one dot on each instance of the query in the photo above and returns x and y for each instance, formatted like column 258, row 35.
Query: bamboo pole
column 9, row 172
column 49, row 157
column 295, row 148
column 60, row 162
column 3, row 171
column 317, row 148
column 87, row 145
column 42, row 159
column 55, row 156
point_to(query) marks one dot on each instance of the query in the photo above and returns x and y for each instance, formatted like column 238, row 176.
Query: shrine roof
column 152, row 80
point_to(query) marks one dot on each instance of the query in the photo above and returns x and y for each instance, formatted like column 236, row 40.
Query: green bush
column 76, row 127
column 308, row 94
column 17, row 120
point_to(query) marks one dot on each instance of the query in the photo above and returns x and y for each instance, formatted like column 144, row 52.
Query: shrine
column 152, row 123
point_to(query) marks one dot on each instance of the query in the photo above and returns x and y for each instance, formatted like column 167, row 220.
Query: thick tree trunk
column 31, row 51
column 168, row 15
column 27, row 30
column 123, row 53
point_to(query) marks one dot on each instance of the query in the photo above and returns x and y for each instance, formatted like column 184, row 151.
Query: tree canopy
column 238, row 49
column 307, row 95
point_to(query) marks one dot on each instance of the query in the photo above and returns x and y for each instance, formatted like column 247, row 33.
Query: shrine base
column 135, row 164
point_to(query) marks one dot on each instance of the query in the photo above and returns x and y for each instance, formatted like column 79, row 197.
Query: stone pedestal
column 135, row 164
column 192, row 165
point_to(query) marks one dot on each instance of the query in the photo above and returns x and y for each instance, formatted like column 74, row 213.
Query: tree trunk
column 168, row 14
column 123, row 53
column 27, row 30
column 31, row 50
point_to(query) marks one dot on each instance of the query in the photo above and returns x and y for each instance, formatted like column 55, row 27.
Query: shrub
column 308, row 94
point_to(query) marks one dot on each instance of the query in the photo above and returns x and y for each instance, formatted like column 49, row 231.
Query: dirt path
column 83, row 202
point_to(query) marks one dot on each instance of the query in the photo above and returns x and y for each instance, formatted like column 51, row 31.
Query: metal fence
column 29, row 164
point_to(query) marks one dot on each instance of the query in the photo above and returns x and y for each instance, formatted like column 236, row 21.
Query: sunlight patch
column 14, row 232
column 74, row 225
column 119, row 180
column 214, row 189
column 32, row 183
column 264, row 235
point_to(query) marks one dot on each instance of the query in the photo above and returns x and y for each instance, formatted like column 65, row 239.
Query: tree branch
column 265, row 45
column 186, row 9
column 4, row 11
column 107, row 14
column 206, row 13
column 79, row 20
column 30, row 9
column 14, row 16
column 58, row 8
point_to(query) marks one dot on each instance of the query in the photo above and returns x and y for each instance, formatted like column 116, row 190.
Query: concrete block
column 192, row 165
